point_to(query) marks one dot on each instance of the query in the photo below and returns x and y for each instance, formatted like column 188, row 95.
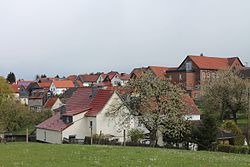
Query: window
column 67, row 119
column 188, row 66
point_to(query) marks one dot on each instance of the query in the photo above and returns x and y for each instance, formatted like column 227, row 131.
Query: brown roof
column 50, row 102
column 212, row 63
column 54, row 123
column 89, row 77
column 191, row 108
column 138, row 71
column 159, row 71
column 124, row 76
column 81, row 101
column 64, row 84
column 72, row 77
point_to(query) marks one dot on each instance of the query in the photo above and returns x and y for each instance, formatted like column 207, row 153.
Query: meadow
column 49, row 155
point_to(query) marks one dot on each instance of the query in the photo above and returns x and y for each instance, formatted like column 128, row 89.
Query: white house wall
column 193, row 117
column 57, row 104
column 109, row 125
column 79, row 128
column 49, row 136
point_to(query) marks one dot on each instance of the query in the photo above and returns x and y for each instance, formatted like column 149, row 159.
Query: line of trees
column 14, row 115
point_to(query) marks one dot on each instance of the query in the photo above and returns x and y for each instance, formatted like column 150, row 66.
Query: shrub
column 135, row 135
column 233, row 149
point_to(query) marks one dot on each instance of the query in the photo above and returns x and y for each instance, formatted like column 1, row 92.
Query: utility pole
column 91, row 132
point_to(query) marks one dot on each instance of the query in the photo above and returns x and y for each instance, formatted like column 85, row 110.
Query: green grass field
column 48, row 155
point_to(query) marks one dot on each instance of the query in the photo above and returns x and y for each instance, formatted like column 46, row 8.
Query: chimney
column 94, row 91
column 62, row 110
column 201, row 54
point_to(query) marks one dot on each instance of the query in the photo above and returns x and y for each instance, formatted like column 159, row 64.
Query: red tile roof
column 99, row 101
column 80, row 99
column 212, row 63
column 124, row 76
column 64, row 84
column 159, row 71
column 191, row 108
column 89, row 77
column 54, row 123
column 45, row 84
column 15, row 88
column 72, row 77
column 50, row 102
column 138, row 71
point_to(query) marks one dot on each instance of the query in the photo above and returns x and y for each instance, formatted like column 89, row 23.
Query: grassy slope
column 34, row 154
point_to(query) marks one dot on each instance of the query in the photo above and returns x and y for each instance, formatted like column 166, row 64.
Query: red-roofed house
column 53, row 103
column 87, row 107
column 90, row 79
column 60, row 86
column 158, row 71
column 196, row 71
column 15, row 89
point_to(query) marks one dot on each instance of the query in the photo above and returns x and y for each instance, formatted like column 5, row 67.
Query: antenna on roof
column 246, row 64
column 201, row 54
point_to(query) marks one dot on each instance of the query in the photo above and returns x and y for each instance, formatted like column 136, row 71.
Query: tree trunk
column 235, row 117
column 153, row 139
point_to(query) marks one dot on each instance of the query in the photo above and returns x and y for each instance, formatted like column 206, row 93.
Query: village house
column 58, row 87
column 196, row 71
column 90, row 79
column 52, row 104
column 15, row 89
column 85, row 112
column 37, row 99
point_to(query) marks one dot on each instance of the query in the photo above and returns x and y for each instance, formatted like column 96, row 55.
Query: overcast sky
column 78, row 36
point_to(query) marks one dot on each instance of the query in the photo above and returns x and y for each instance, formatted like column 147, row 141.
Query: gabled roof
column 24, row 83
column 138, row 71
column 50, row 102
column 38, row 94
column 211, row 63
column 99, row 101
column 89, row 77
column 124, row 76
column 159, row 71
column 80, row 99
column 64, row 84
column 54, row 123
column 72, row 77
column 191, row 108
column 15, row 88
column 45, row 84
column 245, row 72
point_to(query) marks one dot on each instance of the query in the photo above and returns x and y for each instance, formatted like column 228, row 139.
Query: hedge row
column 233, row 149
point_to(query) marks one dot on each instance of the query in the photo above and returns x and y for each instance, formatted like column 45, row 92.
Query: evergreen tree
column 11, row 78
column 205, row 134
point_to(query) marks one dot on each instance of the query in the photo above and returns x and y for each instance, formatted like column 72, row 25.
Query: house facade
column 196, row 71
column 60, row 86
column 85, row 111
column 88, row 80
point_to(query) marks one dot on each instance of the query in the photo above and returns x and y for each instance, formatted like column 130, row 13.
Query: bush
column 233, row 149
column 135, row 135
